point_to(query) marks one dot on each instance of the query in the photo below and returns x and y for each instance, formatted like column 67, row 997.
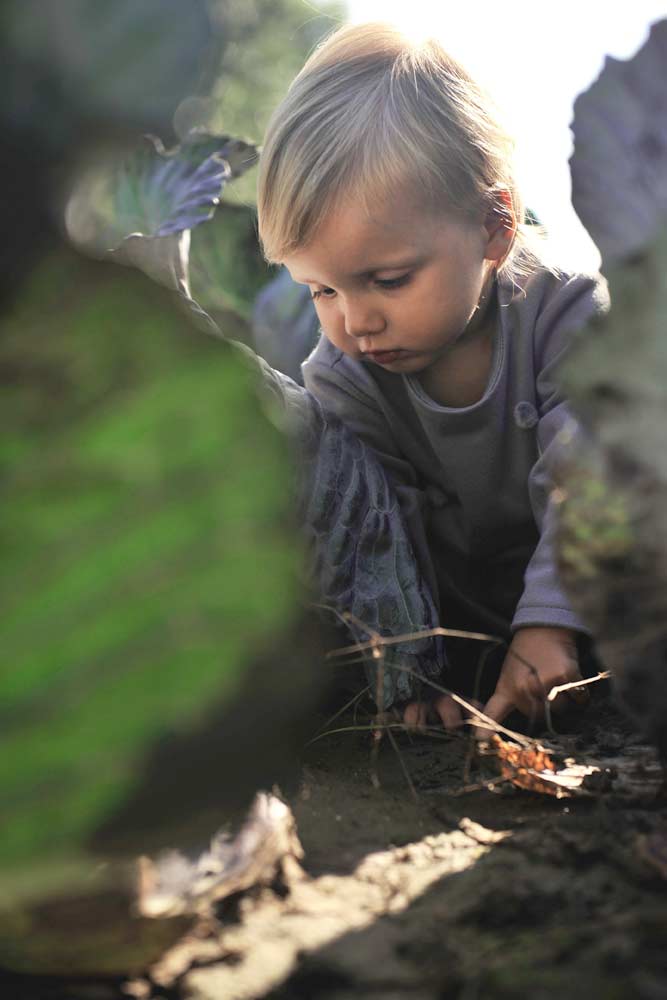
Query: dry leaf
column 534, row 769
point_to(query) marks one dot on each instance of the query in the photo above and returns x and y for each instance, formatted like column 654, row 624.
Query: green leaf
column 227, row 269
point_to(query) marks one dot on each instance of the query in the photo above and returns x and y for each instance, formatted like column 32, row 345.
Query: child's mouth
column 384, row 357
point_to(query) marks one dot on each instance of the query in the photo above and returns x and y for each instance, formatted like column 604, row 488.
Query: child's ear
column 500, row 224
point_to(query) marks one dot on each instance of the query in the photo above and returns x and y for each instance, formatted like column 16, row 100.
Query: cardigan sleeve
column 347, row 391
column 581, row 299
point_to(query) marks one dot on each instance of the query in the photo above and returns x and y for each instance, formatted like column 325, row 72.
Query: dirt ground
column 492, row 894
column 448, row 893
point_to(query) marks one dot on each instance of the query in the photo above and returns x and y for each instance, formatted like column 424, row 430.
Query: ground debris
column 501, row 897
column 487, row 895
column 536, row 768
column 214, row 960
column 266, row 846
column 550, row 769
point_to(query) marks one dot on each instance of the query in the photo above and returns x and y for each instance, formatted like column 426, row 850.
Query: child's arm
column 570, row 307
column 344, row 389
column 350, row 394
column 543, row 652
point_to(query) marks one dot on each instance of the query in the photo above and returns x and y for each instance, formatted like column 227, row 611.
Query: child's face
column 396, row 287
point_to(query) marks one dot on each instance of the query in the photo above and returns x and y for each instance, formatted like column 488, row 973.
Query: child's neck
column 460, row 377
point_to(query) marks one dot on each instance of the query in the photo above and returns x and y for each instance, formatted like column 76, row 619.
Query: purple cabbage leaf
column 619, row 165
column 141, row 211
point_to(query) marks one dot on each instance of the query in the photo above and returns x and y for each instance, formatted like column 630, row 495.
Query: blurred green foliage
column 151, row 565
column 266, row 43
column 227, row 269
column 261, row 47
column 147, row 549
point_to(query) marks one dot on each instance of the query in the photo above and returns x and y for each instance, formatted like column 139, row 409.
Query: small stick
column 348, row 704
column 381, row 640
column 548, row 719
column 370, row 728
column 355, row 713
column 435, row 732
column 392, row 740
column 470, row 752
column 555, row 691
column 379, row 705
column 347, row 616
column 488, row 722
column 483, row 786
column 359, row 659
column 375, row 645
column 393, row 640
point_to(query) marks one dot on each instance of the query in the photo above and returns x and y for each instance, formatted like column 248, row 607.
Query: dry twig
column 555, row 691
column 375, row 645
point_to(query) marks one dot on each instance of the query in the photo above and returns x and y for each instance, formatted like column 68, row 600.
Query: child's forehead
column 358, row 228
column 357, row 239
column 351, row 243
column 401, row 208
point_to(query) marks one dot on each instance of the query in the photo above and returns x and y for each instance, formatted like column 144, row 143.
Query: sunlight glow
column 534, row 59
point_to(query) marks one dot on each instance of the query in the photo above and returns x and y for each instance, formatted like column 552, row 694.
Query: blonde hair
column 370, row 113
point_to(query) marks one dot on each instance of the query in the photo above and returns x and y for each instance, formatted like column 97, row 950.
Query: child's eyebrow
column 394, row 266
column 367, row 271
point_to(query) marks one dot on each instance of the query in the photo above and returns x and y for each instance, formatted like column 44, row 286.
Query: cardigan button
column 436, row 497
column 525, row 415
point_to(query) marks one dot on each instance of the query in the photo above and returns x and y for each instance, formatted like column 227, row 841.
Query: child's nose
column 361, row 320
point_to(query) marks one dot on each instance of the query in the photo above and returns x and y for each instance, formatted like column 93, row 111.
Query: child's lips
column 385, row 357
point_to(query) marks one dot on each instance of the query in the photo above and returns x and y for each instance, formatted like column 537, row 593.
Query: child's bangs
column 356, row 162
column 390, row 172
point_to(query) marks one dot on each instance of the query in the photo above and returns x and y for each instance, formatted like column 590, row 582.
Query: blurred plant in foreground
column 614, row 501
column 159, row 660
column 152, row 570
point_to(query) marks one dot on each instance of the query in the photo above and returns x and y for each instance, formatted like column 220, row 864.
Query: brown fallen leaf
column 535, row 769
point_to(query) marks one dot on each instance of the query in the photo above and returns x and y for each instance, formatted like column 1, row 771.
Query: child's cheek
column 340, row 339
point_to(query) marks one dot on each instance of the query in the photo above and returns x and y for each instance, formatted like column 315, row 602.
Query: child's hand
column 417, row 714
column 537, row 660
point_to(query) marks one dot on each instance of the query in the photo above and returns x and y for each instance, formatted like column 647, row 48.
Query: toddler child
column 386, row 186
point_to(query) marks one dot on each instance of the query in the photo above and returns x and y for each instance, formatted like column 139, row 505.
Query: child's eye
column 393, row 282
column 328, row 293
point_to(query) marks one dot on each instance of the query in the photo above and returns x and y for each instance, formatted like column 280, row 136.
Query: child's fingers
column 498, row 707
column 415, row 715
column 448, row 712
